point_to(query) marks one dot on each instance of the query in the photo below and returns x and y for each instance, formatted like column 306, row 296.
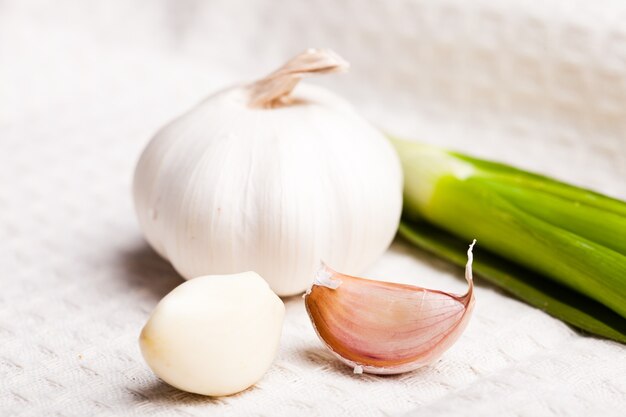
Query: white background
column 84, row 85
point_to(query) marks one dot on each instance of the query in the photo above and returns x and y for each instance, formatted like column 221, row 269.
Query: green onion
column 573, row 237
column 530, row 287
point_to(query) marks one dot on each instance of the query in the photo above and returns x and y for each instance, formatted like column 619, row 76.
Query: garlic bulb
column 260, row 177
column 214, row 335
column 386, row 328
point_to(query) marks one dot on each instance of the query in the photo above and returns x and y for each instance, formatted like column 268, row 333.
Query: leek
column 573, row 237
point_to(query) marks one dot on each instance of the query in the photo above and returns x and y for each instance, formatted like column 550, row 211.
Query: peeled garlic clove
column 214, row 335
column 386, row 328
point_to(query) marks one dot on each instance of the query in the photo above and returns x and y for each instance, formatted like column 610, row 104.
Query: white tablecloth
column 83, row 86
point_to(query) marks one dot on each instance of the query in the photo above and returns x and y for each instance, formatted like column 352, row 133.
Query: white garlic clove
column 214, row 335
column 386, row 328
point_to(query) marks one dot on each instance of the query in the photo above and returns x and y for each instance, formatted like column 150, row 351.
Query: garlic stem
column 274, row 90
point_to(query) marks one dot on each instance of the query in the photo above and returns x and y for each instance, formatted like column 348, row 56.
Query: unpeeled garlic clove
column 386, row 328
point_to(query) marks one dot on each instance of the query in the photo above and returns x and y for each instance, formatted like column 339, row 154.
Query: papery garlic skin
column 382, row 327
column 214, row 335
column 228, row 187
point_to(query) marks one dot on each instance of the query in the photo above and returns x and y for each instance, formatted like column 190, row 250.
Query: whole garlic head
column 214, row 335
column 259, row 178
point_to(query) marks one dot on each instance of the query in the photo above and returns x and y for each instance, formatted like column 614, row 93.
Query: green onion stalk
column 556, row 246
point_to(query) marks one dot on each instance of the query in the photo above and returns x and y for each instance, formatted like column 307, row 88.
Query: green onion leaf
column 561, row 302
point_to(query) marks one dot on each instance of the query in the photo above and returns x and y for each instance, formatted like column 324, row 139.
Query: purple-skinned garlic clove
column 386, row 328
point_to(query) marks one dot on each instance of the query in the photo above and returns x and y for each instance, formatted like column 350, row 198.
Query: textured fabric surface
column 83, row 86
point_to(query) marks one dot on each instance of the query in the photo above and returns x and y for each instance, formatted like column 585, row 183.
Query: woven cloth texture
column 84, row 85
